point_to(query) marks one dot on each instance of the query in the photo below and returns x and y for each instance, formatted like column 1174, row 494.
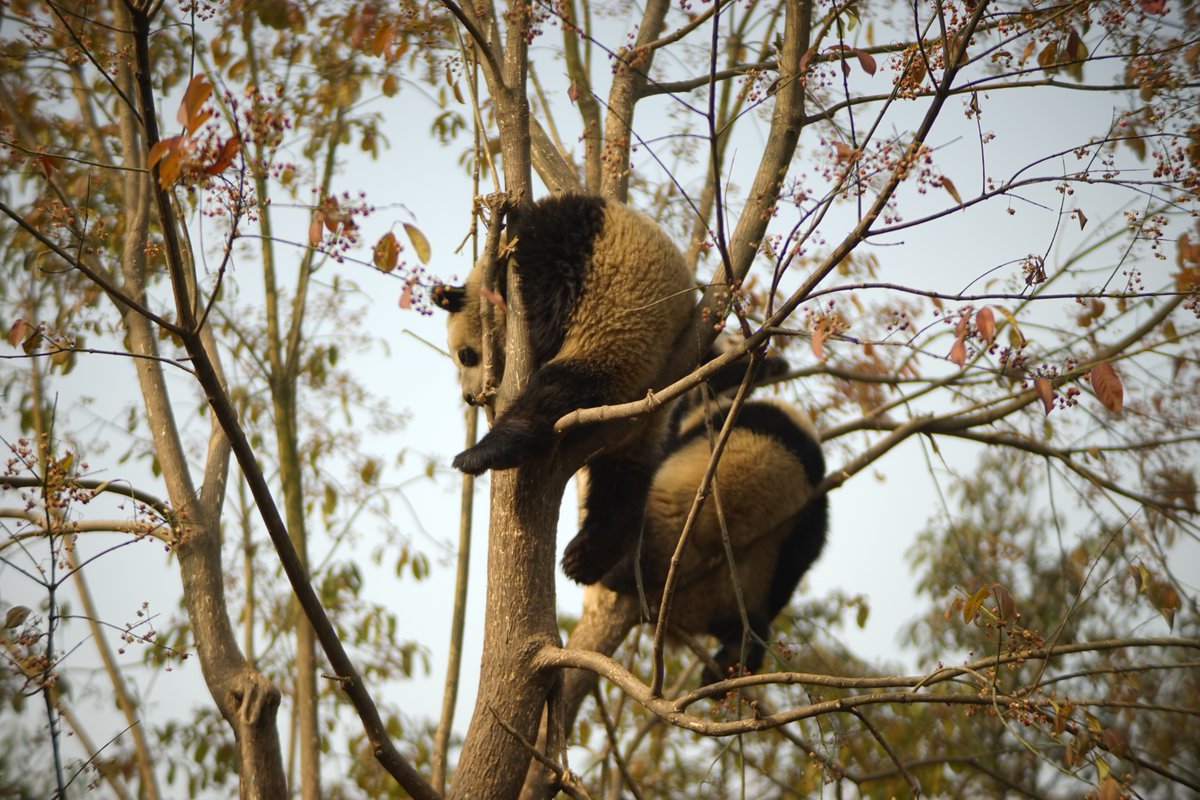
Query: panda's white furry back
column 606, row 294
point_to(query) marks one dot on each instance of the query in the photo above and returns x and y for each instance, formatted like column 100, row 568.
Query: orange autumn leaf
column 819, row 335
column 191, row 114
column 1107, row 386
column 958, row 351
column 985, row 321
column 316, row 229
column 228, row 152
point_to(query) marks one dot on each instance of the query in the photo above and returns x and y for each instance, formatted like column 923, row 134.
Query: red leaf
column 866, row 61
column 16, row 334
column 1107, row 386
column 228, row 152
column 406, row 296
column 985, row 321
column 1154, row 6
column 50, row 164
column 958, row 352
column 1045, row 391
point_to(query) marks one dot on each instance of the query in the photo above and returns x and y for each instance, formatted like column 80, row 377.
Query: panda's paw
column 579, row 563
column 509, row 444
column 476, row 461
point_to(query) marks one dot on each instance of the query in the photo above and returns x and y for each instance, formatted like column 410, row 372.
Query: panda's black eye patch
column 467, row 356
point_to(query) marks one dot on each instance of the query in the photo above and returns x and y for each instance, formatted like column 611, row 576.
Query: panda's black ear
column 449, row 298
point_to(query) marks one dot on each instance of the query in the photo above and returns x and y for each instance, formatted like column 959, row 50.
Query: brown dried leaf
column 844, row 152
column 866, row 61
column 228, row 152
column 16, row 333
column 386, row 254
column 1083, row 220
column 1004, row 601
column 1114, row 742
column 985, row 321
column 1107, row 386
column 15, row 616
column 1164, row 598
column 1045, row 391
column 1110, row 789
column 958, row 351
column 406, row 297
column 1048, row 57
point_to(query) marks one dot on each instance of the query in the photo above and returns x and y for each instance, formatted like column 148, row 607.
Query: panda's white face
column 464, row 335
column 465, row 340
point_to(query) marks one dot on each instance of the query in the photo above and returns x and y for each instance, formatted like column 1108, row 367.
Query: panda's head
column 465, row 332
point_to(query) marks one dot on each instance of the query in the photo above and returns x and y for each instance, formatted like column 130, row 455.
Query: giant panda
column 606, row 294
column 765, row 479
column 771, row 463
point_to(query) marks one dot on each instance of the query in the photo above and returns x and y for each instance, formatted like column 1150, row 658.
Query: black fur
column 449, row 298
column 768, row 420
column 526, row 429
column 555, row 240
column 616, row 502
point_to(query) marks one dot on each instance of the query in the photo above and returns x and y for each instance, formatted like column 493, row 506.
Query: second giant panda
column 606, row 294
column 771, row 463
column 765, row 479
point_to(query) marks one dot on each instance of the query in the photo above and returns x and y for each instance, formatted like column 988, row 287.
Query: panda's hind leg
column 618, row 485
column 526, row 428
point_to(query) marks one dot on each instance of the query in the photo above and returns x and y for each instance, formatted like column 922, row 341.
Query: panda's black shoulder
column 555, row 241
column 768, row 419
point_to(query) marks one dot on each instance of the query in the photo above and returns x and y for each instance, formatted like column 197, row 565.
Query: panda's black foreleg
column 618, row 485
column 526, row 428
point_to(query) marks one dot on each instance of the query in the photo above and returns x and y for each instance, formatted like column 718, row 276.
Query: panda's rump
column 760, row 485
